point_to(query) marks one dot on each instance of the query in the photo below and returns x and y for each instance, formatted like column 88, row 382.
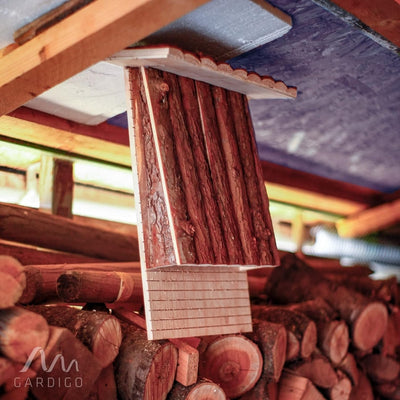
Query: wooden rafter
column 109, row 144
column 88, row 36
column 370, row 220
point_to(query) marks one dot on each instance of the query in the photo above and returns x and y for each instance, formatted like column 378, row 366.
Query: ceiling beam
column 377, row 19
column 370, row 220
column 88, row 36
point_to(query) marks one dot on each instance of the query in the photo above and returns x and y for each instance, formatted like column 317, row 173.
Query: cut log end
column 336, row 341
column 10, row 290
column 233, row 362
column 309, row 341
column 103, row 349
column 162, row 373
column 342, row 389
column 202, row 390
column 370, row 326
column 20, row 332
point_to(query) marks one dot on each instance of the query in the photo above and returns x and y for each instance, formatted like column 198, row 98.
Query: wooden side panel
column 185, row 301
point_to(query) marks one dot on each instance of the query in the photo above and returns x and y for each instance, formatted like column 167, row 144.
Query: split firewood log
column 333, row 335
column 391, row 339
column 204, row 389
column 105, row 387
column 262, row 391
column 349, row 366
column 389, row 390
column 21, row 331
column 188, row 355
column 317, row 369
column 66, row 369
column 144, row 369
column 342, row 389
column 380, row 368
column 234, row 362
column 98, row 331
column 272, row 340
column 294, row 281
column 294, row 387
column 362, row 391
column 298, row 324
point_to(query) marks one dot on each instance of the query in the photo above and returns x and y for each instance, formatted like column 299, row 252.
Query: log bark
column 181, row 225
column 156, row 230
column 98, row 331
column 349, row 366
column 293, row 387
column 333, row 336
column 362, row 391
column 100, row 287
column 380, row 368
column 317, row 369
column 25, row 225
column 66, row 369
column 219, row 173
column 202, row 390
column 272, row 340
column 188, row 356
column 302, row 327
column 234, row 170
column 21, row 331
column 144, row 369
column 104, row 387
column 193, row 120
column 233, row 362
column 342, row 389
column 294, row 281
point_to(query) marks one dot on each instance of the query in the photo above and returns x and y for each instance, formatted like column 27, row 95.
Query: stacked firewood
column 75, row 331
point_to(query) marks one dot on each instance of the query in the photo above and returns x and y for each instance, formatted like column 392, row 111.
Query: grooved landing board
column 186, row 301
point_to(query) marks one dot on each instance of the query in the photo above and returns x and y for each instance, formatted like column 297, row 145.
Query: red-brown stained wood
column 41, row 280
column 294, row 281
column 104, row 388
column 144, row 369
column 202, row 390
column 63, row 188
column 381, row 368
column 12, row 281
column 333, row 335
column 21, row 331
column 272, row 340
column 261, row 184
column 186, row 161
column 11, row 266
column 255, row 193
column 219, row 173
column 83, row 368
column 263, row 390
column 390, row 345
column 294, row 387
column 193, row 120
column 362, row 391
column 154, row 220
column 342, row 389
column 183, row 230
column 233, row 362
column 349, row 366
column 234, row 170
column 317, row 369
column 98, row 331
column 29, row 226
column 100, row 287
column 302, row 327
